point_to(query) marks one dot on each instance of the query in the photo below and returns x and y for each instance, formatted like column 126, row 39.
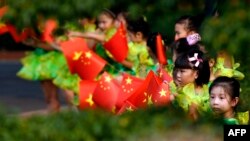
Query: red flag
column 139, row 97
column 3, row 28
column 118, row 45
column 127, row 106
column 106, row 93
column 164, row 75
column 157, row 92
column 50, row 26
column 3, row 10
column 161, row 54
column 18, row 37
column 128, row 86
column 86, row 94
column 73, row 48
column 88, row 65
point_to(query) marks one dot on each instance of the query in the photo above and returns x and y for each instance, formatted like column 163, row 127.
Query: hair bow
column 195, row 58
column 193, row 38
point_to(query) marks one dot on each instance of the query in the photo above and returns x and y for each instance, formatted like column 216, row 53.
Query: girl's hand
column 193, row 113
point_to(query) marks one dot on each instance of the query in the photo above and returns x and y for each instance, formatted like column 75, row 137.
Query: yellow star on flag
column 88, row 54
column 77, row 55
column 107, row 79
column 89, row 100
column 149, row 100
column 128, row 80
column 130, row 109
column 162, row 93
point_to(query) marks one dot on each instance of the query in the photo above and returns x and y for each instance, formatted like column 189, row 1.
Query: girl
column 224, row 98
column 139, row 58
column 191, row 76
column 106, row 28
column 186, row 25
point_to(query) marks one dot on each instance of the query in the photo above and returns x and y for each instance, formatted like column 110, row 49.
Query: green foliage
column 95, row 125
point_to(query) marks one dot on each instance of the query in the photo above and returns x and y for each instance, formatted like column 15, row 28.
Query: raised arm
column 100, row 37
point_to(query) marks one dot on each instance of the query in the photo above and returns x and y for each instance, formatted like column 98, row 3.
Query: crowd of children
column 126, row 59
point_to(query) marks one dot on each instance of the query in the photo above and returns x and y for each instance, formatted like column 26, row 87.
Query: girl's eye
column 212, row 97
column 221, row 97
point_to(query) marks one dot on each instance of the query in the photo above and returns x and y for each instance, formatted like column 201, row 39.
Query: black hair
column 229, row 84
column 181, row 46
column 182, row 62
column 109, row 13
column 191, row 23
column 151, row 41
column 139, row 25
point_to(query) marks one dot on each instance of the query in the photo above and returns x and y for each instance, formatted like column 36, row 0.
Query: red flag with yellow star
column 157, row 92
column 88, row 65
column 129, row 85
column 86, row 92
column 126, row 107
column 106, row 93
column 72, row 50
column 118, row 45
column 49, row 27
column 139, row 98
column 164, row 75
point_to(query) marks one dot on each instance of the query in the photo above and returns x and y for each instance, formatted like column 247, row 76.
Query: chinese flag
column 3, row 10
column 88, row 65
column 164, row 75
column 139, row 97
column 129, row 85
column 72, row 50
column 49, row 27
column 106, row 93
column 18, row 37
column 157, row 92
column 127, row 106
column 161, row 54
column 118, row 45
column 86, row 92
column 3, row 28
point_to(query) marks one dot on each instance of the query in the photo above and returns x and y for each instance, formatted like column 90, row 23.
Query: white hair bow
column 195, row 58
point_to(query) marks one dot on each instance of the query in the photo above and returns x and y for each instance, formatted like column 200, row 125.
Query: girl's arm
column 127, row 64
column 193, row 112
column 89, row 35
column 36, row 43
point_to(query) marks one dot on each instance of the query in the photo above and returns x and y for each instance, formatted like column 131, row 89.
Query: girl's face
column 183, row 77
column 105, row 22
column 220, row 102
column 180, row 31
column 135, row 37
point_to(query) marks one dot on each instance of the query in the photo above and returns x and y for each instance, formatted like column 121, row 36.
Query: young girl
column 191, row 76
column 139, row 53
column 224, row 98
column 186, row 25
column 106, row 28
